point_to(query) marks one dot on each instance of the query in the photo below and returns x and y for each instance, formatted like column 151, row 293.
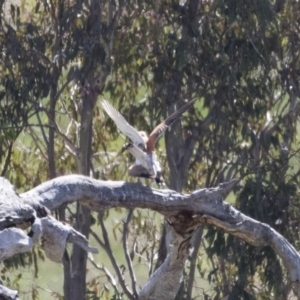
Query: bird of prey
column 142, row 147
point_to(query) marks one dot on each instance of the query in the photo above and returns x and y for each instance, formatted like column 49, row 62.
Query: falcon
column 142, row 147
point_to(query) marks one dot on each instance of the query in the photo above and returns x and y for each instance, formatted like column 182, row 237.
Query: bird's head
column 144, row 136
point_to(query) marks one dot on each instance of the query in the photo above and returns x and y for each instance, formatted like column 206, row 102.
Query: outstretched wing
column 122, row 124
column 145, row 160
column 161, row 128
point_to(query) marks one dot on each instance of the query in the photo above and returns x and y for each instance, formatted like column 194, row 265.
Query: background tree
column 240, row 60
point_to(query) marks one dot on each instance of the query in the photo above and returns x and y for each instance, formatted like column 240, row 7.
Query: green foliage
column 24, row 69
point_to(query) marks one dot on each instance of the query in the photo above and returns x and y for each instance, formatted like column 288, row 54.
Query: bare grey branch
column 184, row 213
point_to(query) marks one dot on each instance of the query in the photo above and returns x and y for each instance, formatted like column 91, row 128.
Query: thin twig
column 196, row 244
column 127, row 256
column 212, row 261
column 153, row 250
column 42, row 129
column 98, row 240
column 109, row 252
column 223, row 275
column 38, row 140
column 256, row 50
column 7, row 160
column 72, row 147
column 108, row 275
column 62, row 88
column 23, row 126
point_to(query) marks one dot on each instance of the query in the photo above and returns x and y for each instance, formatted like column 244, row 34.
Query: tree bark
column 183, row 212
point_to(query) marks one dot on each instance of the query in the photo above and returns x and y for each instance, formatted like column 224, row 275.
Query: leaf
column 284, row 41
column 37, row 7
column 12, row 11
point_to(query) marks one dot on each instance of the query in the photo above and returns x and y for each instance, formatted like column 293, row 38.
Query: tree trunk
column 77, row 271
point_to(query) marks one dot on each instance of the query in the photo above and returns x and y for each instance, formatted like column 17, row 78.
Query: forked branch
column 184, row 213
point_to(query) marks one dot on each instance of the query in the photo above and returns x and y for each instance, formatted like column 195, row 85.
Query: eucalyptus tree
column 240, row 60
column 46, row 50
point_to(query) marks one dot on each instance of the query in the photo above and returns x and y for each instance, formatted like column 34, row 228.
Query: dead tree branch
column 184, row 213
